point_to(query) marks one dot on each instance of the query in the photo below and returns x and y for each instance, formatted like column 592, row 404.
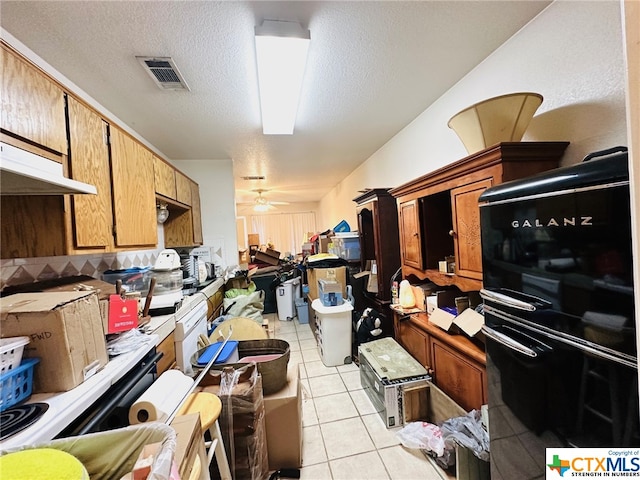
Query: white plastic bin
column 334, row 329
column 286, row 297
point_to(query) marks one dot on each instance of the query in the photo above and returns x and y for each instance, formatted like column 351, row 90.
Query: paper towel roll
column 161, row 398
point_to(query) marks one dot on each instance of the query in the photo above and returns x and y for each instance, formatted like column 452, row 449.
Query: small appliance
column 167, row 295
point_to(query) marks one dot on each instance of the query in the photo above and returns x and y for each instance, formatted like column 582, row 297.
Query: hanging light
column 162, row 212
column 281, row 53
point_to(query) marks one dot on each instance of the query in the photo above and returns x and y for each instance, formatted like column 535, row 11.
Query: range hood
column 25, row 173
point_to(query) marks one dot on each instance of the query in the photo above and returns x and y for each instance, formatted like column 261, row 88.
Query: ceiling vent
column 253, row 177
column 164, row 72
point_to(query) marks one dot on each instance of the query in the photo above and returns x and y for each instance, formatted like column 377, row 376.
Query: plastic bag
column 468, row 432
column 423, row 436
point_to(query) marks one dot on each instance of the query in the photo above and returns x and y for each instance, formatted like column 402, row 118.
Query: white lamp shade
column 499, row 119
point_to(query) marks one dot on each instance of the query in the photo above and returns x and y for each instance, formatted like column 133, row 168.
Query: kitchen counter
column 65, row 407
column 163, row 325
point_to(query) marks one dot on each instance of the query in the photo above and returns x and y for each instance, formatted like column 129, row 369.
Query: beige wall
column 571, row 54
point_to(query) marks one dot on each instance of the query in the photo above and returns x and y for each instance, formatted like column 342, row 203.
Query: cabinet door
column 457, row 376
column 410, row 238
column 32, row 104
column 164, row 178
column 415, row 341
column 92, row 217
column 134, row 203
column 466, row 228
column 183, row 189
column 196, row 214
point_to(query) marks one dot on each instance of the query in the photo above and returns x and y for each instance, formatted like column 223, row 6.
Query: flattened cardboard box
column 65, row 332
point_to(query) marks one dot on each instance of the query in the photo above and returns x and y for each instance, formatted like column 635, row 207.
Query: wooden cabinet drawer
column 168, row 349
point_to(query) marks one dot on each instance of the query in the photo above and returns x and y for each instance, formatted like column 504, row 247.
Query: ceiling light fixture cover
column 281, row 54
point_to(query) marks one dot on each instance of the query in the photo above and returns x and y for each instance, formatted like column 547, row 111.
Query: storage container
column 329, row 292
column 16, row 385
column 347, row 247
column 334, row 327
column 229, row 353
column 133, row 279
column 11, row 349
column 302, row 309
column 285, row 298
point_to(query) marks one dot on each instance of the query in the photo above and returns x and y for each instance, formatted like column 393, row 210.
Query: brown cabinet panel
column 457, row 376
column 410, row 235
column 32, row 104
column 183, row 189
column 196, row 214
column 92, row 217
column 415, row 341
column 164, row 178
column 466, row 228
column 133, row 191
column 168, row 349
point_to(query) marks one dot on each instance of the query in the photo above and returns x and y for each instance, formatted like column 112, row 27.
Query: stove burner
column 16, row 419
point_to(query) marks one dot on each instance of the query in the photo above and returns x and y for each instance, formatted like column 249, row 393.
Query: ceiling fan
column 261, row 204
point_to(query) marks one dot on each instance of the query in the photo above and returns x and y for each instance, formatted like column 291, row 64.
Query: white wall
column 571, row 54
column 217, row 202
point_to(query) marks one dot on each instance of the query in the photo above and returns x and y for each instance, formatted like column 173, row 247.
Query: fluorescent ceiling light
column 281, row 52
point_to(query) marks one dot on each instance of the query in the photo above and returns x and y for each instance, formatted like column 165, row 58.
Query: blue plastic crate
column 15, row 386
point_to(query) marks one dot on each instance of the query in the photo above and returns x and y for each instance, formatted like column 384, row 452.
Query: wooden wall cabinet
column 164, row 178
column 439, row 216
column 134, row 202
column 183, row 189
column 457, row 363
column 32, row 104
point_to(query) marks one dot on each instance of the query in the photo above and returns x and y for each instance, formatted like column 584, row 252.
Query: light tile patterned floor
column 343, row 436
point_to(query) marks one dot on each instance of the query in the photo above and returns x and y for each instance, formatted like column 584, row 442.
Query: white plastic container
column 11, row 349
column 286, row 298
column 334, row 329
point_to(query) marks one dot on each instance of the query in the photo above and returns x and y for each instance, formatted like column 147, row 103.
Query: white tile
column 308, row 344
column 351, row 379
column 306, row 334
column 309, row 416
column 402, row 463
column 365, row 465
column 316, row 368
column 310, row 355
column 297, row 358
column 321, row 471
column 335, row 407
column 288, row 337
column 362, row 402
column 312, row 446
column 346, row 437
column 326, row 385
column 382, row 436
column 348, row 367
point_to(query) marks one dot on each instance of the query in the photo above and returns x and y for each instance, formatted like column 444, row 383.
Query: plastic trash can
column 302, row 310
column 285, row 298
column 334, row 329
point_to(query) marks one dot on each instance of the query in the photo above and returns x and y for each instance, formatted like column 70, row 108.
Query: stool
column 209, row 406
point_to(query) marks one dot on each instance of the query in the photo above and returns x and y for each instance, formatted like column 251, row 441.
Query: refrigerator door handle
column 506, row 301
column 508, row 342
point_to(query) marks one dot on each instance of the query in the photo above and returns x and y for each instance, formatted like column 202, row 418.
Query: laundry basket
column 11, row 349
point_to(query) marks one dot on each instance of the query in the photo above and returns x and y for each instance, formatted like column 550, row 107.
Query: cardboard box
column 339, row 274
column 189, row 443
column 322, row 243
column 253, row 239
column 283, row 418
column 270, row 257
column 66, row 333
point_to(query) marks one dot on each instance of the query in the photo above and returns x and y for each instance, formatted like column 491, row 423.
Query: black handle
column 114, row 399
column 604, row 153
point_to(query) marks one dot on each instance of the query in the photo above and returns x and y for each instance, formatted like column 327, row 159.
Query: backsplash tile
column 21, row 270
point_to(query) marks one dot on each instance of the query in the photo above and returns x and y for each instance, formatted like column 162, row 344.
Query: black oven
column 559, row 314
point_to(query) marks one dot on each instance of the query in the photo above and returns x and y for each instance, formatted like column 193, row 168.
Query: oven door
column 548, row 389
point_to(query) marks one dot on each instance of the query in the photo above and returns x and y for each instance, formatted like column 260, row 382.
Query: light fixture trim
column 162, row 212
column 281, row 56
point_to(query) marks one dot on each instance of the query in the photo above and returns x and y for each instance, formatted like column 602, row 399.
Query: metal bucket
column 274, row 372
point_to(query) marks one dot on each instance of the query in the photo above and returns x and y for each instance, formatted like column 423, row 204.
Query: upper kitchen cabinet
column 439, row 215
column 134, row 202
column 33, row 106
column 183, row 228
column 183, row 189
column 91, row 221
column 164, row 178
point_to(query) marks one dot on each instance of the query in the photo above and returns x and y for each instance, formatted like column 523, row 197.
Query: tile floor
column 343, row 435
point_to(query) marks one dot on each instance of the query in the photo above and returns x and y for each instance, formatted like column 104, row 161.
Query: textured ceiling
column 373, row 67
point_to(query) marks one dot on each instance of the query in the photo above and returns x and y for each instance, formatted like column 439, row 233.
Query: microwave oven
column 394, row 381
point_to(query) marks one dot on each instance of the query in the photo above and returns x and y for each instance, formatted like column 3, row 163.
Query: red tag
column 123, row 314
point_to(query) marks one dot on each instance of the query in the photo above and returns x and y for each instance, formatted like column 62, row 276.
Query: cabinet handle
column 452, row 233
column 415, row 234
